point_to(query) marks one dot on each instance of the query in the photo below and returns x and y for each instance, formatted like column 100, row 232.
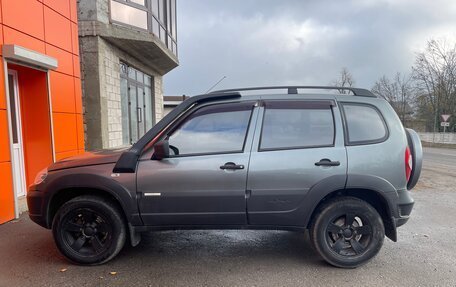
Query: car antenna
column 213, row 86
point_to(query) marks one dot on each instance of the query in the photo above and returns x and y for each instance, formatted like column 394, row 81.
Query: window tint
column 297, row 125
column 213, row 129
column 364, row 123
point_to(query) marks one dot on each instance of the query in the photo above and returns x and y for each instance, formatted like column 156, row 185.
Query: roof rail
column 294, row 90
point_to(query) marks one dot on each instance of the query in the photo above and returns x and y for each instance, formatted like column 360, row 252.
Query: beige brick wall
column 158, row 90
column 112, row 77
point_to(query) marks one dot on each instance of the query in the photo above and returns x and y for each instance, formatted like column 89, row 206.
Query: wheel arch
column 374, row 198
column 69, row 186
column 64, row 195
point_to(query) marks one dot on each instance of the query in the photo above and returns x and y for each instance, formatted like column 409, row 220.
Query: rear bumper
column 36, row 202
column 401, row 204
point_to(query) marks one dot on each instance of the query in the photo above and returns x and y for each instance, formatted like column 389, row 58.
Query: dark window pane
column 12, row 99
column 155, row 7
column 364, row 123
column 124, row 108
column 161, row 11
column 139, row 76
column 131, row 73
column 128, row 15
column 155, row 27
column 173, row 19
column 136, row 118
column 133, row 115
column 168, row 15
column 213, row 129
column 148, row 108
column 147, row 80
column 169, row 43
column 140, row 112
column 162, row 34
column 297, row 127
column 140, row 2
column 123, row 69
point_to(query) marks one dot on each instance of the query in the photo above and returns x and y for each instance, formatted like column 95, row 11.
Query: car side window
column 364, row 124
column 297, row 124
column 212, row 129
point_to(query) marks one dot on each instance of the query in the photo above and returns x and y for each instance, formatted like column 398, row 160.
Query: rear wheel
column 347, row 232
column 89, row 230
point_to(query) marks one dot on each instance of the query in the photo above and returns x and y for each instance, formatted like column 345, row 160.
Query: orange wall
column 48, row 27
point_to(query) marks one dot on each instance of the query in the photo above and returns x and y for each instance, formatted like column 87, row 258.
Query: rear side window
column 297, row 124
column 364, row 124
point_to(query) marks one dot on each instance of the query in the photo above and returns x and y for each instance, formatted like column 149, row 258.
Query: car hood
column 88, row 158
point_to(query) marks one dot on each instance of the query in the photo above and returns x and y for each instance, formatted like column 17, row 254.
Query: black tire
column 89, row 230
column 347, row 232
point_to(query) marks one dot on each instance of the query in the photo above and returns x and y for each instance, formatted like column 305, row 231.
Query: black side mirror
column 161, row 150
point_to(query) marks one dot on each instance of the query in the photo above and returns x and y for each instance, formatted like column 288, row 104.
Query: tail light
column 408, row 163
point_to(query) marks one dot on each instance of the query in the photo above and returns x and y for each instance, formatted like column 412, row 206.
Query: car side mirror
column 161, row 150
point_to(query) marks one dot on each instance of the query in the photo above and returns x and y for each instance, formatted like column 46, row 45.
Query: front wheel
column 347, row 232
column 89, row 230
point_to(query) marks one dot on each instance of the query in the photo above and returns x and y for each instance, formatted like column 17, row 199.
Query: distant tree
column 399, row 92
column 434, row 73
column 345, row 79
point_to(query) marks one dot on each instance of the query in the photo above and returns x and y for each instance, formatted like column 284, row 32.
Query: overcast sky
column 301, row 42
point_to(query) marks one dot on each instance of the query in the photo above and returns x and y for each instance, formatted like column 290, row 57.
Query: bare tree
column 435, row 75
column 399, row 92
column 345, row 79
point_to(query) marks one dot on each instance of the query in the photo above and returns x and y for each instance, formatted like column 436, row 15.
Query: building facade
column 128, row 45
column 40, row 94
column 171, row 102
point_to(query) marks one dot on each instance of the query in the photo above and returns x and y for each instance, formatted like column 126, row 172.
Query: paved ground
column 424, row 256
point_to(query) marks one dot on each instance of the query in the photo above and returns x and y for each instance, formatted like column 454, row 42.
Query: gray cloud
column 301, row 42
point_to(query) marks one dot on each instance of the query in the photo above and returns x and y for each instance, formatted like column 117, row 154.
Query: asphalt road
column 425, row 254
column 440, row 160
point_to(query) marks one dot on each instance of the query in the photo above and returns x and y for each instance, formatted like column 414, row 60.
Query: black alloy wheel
column 89, row 230
column 86, row 232
column 347, row 232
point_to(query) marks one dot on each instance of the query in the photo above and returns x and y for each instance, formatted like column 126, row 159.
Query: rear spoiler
column 128, row 160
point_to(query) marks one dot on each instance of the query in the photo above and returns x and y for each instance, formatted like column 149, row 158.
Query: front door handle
column 327, row 162
column 232, row 165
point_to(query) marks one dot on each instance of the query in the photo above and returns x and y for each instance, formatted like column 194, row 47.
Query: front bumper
column 36, row 202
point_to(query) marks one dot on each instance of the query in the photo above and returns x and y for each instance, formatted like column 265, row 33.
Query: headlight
column 41, row 176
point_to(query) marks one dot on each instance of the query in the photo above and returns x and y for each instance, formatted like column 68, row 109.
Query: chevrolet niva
column 338, row 165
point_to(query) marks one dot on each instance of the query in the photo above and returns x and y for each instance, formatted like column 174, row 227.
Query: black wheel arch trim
column 93, row 182
column 382, row 188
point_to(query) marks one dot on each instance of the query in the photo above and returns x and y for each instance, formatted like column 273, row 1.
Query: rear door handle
column 232, row 165
column 327, row 162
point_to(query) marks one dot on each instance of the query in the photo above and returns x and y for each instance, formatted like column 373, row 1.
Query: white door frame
column 17, row 156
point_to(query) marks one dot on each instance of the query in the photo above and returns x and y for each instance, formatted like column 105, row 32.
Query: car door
column 204, row 181
column 298, row 147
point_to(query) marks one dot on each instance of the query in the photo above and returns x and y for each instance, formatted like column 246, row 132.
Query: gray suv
column 338, row 165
